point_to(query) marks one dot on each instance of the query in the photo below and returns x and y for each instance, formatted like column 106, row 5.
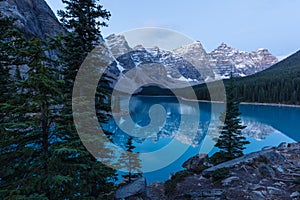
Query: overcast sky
column 246, row 25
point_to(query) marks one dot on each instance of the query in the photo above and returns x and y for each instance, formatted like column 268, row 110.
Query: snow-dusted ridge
column 191, row 63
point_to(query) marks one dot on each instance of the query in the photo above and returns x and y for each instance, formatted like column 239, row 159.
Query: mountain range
column 191, row 62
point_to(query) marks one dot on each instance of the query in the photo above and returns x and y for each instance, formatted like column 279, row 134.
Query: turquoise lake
column 266, row 126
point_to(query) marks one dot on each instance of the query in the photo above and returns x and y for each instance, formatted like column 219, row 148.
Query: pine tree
column 5, row 54
column 130, row 161
column 41, row 154
column 231, row 141
column 42, row 94
column 10, row 158
column 28, row 129
column 83, row 20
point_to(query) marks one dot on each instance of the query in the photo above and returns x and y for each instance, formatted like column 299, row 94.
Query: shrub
column 176, row 178
column 219, row 157
column 261, row 159
column 220, row 174
column 199, row 169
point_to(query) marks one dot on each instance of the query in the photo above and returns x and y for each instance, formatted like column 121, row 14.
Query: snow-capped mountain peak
column 139, row 48
column 195, row 46
column 191, row 62
column 242, row 63
column 118, row 44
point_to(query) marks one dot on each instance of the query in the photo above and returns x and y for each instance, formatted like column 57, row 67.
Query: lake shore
column 271, row 104
column 270, row 173
column 245, row 103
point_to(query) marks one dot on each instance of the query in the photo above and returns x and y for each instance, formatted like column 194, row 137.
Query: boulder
column 282, row 145
column 229, row 180
column 271, row 156
column 295, row 195
column 257, row 195
column 274, row 191
column 268, row 148
column 134, row 190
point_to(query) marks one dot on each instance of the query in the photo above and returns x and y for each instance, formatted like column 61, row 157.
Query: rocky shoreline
column 272, row 173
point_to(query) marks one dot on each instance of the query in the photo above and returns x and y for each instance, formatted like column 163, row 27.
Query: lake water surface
column 266, row 126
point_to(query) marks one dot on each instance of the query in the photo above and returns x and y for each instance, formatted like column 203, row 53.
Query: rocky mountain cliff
column 242, row 63
column 33, row 17
column 191, row 62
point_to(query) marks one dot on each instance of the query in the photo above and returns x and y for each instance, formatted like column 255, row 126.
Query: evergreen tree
column 6, row 26
column 131, row 162
column 231, row 141
column 83, row 20
column 41, row 154
column 28, row 130
column 10, row 42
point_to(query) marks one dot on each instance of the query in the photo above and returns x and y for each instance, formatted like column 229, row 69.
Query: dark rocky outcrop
column 271, row 155
column 33, row 17
column 272, row 173
column 156, row 191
